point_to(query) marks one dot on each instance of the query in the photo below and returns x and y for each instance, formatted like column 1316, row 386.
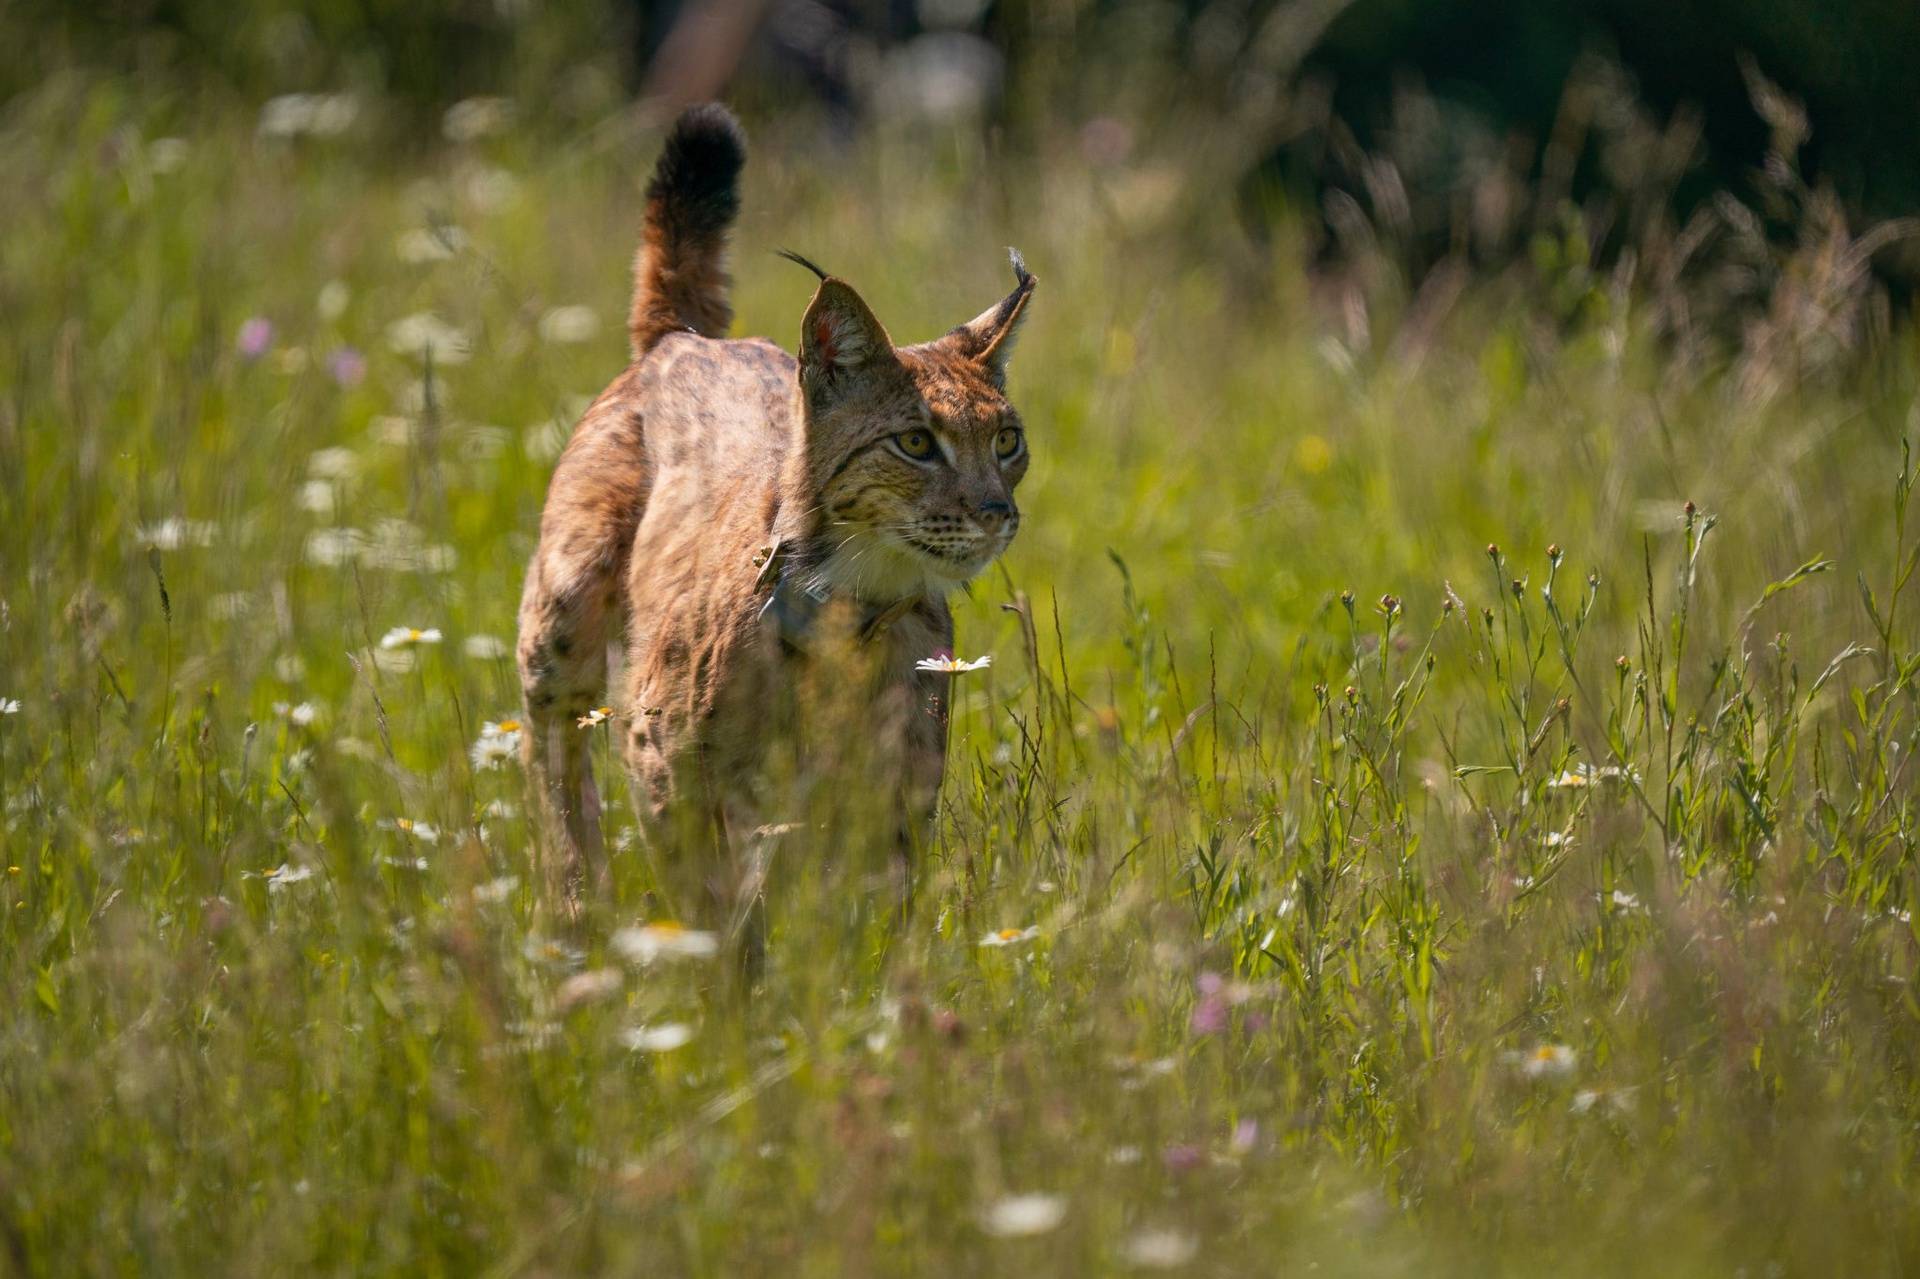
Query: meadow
column 1440, row 803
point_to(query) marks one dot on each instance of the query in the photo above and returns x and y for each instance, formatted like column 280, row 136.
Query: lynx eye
column 916, row 444
column 1007, row 443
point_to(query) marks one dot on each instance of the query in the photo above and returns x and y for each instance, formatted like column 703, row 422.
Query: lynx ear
column 839, row 334
column 988, row 338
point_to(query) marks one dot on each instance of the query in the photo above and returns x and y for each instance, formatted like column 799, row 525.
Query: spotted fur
column 883, row 473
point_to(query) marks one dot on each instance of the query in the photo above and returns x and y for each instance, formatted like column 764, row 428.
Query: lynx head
column 913, row 452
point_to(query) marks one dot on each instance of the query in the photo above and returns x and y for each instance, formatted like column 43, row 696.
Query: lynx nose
column 993, row 514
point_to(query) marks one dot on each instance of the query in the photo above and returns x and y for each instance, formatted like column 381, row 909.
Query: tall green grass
column 1449, row 779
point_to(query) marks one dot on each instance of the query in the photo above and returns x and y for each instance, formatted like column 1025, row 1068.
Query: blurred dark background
column 1427, row 131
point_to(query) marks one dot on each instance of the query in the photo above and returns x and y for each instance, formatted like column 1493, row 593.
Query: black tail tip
column 703, row 155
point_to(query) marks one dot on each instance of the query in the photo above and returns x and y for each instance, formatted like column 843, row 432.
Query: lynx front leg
column 923, row 765
column 565, row 615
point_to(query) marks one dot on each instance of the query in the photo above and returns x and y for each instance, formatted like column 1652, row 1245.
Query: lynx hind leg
column 566, row 612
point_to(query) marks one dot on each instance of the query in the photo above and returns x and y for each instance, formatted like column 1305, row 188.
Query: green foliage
column 1410, row 894
column 422, row 53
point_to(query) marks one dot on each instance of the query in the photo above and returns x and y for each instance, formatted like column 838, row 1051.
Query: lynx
column 748, row 516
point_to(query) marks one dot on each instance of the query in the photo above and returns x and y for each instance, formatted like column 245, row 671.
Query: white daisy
column 1618, row 1100
column 422, row 831
column 429, row 244
column 1011, row 936
column 394, row 429
column 543, row 441
column 532, row 1034
column 1019, row 1215
column 946, row 664
column 485, row 648
column 1548, row 1061
column 588, row 987
column 173, row 533
column 333, row 299
column 497, row 744
column 663, row 1038
column 422, row 332
column 551, row 952
column 167, row 155
column 495, row 891
column 320, row 115
column 598, row 715
column 408, row 636
column 316, row 497
column 300, row 714
column 569, row 324
column 334, row 463
column 1581, row 776
column 285, row 874
column 404, row 548
column 489, row 189
column 1160, row 1249
column 472, row 118
column 333, row 547
column 9, row 706
column 664, row 939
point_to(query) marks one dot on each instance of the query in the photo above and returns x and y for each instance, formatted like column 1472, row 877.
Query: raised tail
column 679, row 276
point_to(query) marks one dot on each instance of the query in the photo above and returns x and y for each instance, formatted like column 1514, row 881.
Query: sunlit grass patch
column 1316, row 882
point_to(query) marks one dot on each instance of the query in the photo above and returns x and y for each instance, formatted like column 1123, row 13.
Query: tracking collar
column 799, row 595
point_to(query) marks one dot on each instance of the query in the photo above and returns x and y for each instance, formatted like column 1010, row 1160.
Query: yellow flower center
column 413, row 634
column 667, row 926
column 509, row 725
column 1008, row 934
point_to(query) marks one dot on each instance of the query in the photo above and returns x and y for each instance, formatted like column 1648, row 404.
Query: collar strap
column 797, row 598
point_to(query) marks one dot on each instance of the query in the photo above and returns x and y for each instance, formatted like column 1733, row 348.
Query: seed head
column 1621, row 664
column 1389, row 605
column 1689, row 509
column 1493, row 552
column 1553, row 552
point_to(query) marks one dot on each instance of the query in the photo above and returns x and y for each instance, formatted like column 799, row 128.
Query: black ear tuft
column 791, row 256
column 1021, row 275
column 987, row 339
